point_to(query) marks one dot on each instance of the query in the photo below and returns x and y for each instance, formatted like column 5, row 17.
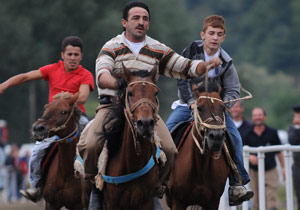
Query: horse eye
column 130, row 94
column 156, row 93
column 64, row 112
column 199, row 108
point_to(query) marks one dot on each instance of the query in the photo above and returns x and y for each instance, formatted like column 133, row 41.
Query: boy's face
column 212, row 37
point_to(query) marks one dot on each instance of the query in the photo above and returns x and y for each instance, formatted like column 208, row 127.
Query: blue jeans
column 183, row 113
column 180, row 114
column 237, row 141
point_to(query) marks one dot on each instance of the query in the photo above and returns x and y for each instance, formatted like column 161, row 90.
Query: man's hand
column 253, row 160
column 201, row 68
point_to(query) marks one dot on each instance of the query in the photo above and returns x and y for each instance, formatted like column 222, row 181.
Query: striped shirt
column 117, row 50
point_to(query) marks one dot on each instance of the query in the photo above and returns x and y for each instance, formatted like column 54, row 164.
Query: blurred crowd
column 13, row 167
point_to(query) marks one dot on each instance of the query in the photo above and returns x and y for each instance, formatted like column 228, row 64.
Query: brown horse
column 201, row 169
column 132, row 171
column 60, row 119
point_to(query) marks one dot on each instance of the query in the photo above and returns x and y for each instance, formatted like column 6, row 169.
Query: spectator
column 243, row 125
column 3, row 132
column 12, row 178
column 294, row 139
column 263, row 135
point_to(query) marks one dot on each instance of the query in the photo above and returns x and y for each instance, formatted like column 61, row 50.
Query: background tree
column 261, row 38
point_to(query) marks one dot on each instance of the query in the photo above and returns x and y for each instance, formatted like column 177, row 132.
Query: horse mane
column 114, row 132
column 212, row 86
column 141, row 73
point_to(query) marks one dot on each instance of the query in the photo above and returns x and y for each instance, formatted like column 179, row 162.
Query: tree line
column 261, row 38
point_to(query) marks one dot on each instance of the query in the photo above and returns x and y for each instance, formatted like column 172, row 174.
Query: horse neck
column 67, row 151
column 131, row 161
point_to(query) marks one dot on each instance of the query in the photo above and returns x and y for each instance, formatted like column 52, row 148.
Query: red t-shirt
column 70, row 82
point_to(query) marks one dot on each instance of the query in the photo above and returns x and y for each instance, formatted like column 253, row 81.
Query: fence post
column 288, row 179
column 261, row 180
column 245, row 205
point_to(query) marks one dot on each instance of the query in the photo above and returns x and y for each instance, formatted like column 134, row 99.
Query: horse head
column 141, row 103
column 59, row 117
column 209, row 114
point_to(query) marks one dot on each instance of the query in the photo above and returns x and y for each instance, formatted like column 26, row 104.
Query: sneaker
column 33, row 194
column 238, row 194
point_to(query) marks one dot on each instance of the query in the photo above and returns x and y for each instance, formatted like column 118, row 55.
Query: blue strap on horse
column 128, row 177
column 68, row 140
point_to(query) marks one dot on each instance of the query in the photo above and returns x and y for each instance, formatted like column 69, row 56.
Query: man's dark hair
column 132, row 4
column 71, row 40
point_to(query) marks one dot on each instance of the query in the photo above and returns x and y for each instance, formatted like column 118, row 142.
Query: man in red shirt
column 66, row 75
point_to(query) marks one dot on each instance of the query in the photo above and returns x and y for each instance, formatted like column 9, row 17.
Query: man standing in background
column 263, row 135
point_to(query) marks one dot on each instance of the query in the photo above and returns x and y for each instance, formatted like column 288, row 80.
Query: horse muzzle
column 215, row 139
column 39, row 131
column 145, row 128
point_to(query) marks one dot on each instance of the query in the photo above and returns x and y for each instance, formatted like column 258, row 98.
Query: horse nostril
column 145, row 124
column 211, row 136
column 39, row 128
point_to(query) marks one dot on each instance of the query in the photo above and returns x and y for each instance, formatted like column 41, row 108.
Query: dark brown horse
column 60, row 119
column 201, row 169
column 132, row 171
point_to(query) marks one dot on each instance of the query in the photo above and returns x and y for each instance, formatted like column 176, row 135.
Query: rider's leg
column 92, row 141
column 237, row 192
column 169, row 149
column 34, row 193
column 179, row 114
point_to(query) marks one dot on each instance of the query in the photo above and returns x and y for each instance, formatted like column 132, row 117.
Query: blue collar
column 67, row 140
column 126, row 178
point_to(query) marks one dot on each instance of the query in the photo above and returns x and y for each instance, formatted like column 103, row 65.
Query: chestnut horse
column 132, row 172
column 201, row 168
column 60, row 187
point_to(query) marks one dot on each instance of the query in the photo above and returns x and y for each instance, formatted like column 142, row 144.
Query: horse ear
column 127, row 72
column 154, row 73
column 74, row 98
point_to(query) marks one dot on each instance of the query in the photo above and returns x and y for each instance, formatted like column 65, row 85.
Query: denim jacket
column 226, row 75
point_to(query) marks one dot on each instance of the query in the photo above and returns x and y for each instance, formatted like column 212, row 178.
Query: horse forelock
column 212, row 86
column 63, row 95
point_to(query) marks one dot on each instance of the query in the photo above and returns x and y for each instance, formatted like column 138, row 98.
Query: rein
column 128, row 111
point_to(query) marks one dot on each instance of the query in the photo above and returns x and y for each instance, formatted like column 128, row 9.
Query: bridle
column 61, row 127
column 128, row 110
column 200, row 125
column 203, row 125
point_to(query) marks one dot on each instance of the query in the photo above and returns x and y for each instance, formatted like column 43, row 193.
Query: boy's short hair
column 215, row 21
column 71, row 40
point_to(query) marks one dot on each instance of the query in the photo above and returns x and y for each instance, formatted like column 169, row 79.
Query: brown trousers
column 91, row 143
column 271, row 186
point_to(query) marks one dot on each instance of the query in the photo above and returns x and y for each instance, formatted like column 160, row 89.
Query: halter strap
column 128, row 111
column 128, row 177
